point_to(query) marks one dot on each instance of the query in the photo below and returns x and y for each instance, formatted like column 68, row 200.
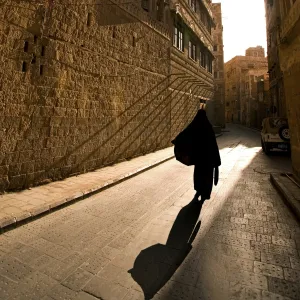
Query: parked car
column 275, row 134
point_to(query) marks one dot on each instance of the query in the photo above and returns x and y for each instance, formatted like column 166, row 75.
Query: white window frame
column 192, row 50
column 178, row 37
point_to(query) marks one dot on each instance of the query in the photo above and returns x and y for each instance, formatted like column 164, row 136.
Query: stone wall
column 187, row 90
column 237, row 85
column 81, row 86
column 217, row 111
column 290, row 64
column 283, row 32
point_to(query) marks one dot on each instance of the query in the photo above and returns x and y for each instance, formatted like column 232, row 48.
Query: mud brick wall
column 187, row 89
column 81, row 87
column 290, row 64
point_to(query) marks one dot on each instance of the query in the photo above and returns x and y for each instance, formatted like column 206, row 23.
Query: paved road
column 142, row 239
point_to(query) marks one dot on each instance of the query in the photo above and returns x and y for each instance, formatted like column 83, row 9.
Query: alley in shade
column 144, row 239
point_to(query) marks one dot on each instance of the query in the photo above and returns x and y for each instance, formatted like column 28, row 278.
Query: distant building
column 216, row 107
column 241, row 74
column 258, row 51
column 283, row 33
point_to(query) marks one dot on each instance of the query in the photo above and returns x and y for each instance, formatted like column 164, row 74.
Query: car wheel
column 284, row 133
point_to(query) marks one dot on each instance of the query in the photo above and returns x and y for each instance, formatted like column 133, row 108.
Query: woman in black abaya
column 205, row 155
column 200, row 139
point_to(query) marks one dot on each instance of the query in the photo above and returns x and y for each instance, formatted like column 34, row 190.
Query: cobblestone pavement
column 143, row 239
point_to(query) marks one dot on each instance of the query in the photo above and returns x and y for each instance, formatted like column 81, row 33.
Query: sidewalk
column 145, row 239
column 20, row 206
column 24, row 205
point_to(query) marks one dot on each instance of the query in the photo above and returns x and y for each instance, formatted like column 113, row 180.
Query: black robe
column 199, row 136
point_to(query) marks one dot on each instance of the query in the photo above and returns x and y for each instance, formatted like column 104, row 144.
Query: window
column 215, row 74
column 145, row 5
column 208, row 26
column 41, row 70
column 89, row 19
column 203, row 17
column 203, row 59
column 217, row 62
column 209, row 64
column 192, row 50
column 160, row 10
column 43, row 51
column 26, row 46
column 215, row 48
column 33, row 61
column 178, row 37
column 24, row 66
column 192, row 4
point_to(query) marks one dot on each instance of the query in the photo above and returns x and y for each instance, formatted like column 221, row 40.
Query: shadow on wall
column 155, row 265
column 80, row 134
column 143, row 126
column 119, row 130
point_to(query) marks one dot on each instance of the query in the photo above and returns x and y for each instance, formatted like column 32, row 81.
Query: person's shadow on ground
column 155, row 265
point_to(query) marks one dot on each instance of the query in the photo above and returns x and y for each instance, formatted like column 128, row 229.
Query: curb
column 11, row 222
column 7, row 223
column 287, row 196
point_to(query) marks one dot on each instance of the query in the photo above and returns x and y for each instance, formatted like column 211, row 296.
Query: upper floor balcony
column 290, row 26
column 190, row 18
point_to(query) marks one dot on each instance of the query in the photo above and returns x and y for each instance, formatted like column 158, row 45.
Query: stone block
column 268, row 269
column 7, row 287
column 275, row 259
column 14, row 269
column 60, row 292
column 249, row 279
column 77, row 280
column 271, row 296
column 295, row 263
column 292, row 275
column 95, row 263
column 283, row 288
column 103, row 289
column 280, row 241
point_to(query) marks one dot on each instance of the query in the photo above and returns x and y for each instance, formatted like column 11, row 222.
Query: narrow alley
column 144, row 239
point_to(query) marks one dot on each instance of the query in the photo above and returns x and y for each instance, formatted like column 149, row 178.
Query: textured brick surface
column 72, row 188
column 72, row 104
column 131, row 240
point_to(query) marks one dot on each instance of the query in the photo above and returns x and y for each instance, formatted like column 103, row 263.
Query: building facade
column 285, row 17
column 216, row 107
column 83, row 86
column 263, row 101
column 192, row 56
column 241, row 74
column 278, row 106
